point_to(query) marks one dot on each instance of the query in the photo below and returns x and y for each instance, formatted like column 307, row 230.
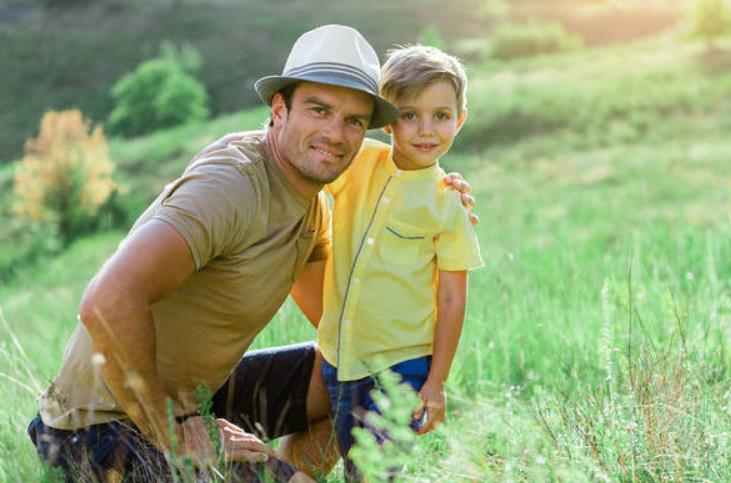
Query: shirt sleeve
column 323, row 234
column 457, row 247
column 211, row 207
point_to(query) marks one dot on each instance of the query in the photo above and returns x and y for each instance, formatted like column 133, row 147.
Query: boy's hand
column 434, row 403
column 455, row 182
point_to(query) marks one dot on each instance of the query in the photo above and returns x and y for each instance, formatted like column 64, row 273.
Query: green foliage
column 711, row 20
column 23, row 241
column 396, row 401
column 431, row 36
column 531, row 39
column 157, row 95
column 637, row 95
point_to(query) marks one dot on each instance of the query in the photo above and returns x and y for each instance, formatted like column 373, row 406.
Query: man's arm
column 307, row 291
column 452, row 298
column 150, row 264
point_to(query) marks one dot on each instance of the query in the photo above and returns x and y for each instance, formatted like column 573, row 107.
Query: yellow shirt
column 393, row 230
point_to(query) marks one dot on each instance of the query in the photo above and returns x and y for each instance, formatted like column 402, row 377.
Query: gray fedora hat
column 335, row 55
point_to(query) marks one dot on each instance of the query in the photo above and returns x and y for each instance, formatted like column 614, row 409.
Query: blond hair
column 412, row 68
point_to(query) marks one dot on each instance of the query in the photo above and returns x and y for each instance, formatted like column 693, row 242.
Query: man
column 202, row 272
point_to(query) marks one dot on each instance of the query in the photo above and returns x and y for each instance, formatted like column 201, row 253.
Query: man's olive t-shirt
column 250, row 234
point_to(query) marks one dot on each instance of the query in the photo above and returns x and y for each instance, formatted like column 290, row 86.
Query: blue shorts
column 351, row 399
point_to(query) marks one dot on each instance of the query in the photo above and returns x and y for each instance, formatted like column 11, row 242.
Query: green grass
column 596, row 340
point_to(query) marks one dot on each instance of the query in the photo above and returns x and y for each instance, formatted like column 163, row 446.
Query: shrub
column 532, row 39
column 159, row 94
column 711, row 20
column 65, row 174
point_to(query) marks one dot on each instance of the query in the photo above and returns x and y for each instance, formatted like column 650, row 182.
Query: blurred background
column 598, row 145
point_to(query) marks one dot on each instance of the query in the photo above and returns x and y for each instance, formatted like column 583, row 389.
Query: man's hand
column 456, row 182
column 434, row 402
column 236, row 444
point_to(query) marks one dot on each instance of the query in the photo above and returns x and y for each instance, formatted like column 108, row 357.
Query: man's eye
column 318, row 110
column 355, row 122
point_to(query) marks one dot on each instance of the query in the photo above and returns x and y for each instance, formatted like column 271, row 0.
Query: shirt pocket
column 403, row 244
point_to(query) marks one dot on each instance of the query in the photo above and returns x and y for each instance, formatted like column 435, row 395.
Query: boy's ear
column 387, row 129
column 461, row 118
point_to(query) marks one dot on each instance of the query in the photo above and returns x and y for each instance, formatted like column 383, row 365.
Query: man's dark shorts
column 266, row 395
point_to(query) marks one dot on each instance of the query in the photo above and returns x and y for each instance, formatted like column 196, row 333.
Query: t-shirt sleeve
column 323, row 233
column 457, row 246
column 211, row 207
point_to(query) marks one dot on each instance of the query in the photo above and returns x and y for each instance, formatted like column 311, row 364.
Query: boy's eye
column 443, row 116
column 408, row 115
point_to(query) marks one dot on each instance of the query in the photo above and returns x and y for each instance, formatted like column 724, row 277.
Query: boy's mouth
column 425, row 147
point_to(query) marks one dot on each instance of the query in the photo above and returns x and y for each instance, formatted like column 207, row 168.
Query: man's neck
column 301, row 185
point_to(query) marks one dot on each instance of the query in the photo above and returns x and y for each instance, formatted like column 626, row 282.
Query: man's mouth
column 330, row 154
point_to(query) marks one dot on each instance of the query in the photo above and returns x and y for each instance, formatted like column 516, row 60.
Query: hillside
column 69, row 55
column 596, row 343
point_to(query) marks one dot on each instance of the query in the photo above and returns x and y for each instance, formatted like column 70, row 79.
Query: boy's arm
column 452, row 298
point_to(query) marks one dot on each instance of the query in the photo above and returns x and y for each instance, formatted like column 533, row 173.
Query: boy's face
column 426, row 126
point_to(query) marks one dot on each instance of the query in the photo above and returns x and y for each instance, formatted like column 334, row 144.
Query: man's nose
column 334, row 129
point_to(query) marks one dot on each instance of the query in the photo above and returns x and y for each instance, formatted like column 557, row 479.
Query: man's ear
column 461, row 118
column 387, row 129
column 279, row 108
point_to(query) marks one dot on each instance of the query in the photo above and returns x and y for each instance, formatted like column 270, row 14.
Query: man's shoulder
column 242, row 150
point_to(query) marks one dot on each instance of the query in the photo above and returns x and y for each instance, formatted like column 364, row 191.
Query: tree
column 65, row 174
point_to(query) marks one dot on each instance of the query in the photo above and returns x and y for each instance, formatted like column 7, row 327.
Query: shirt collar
column 424, row 173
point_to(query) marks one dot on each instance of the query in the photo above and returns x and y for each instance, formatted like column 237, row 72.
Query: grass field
column 596, row 344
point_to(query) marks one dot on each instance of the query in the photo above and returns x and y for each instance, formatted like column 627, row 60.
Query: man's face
column 321, row 133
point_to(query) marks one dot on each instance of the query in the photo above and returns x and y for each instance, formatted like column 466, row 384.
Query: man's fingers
column 247, row 444
column 467, row 200
column 240, row 454
column 474, row 219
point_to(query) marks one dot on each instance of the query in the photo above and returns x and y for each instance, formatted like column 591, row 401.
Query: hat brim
column 384, row 112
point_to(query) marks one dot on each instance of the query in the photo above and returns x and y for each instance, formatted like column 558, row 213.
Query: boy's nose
column 425, row 126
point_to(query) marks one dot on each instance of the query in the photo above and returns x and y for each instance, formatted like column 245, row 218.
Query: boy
column 396, row 284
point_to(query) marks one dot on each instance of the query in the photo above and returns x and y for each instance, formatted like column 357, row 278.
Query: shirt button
column 370, row 241
column 356, row 281
column 398, row 172
column 347, row 322
column 385, row 200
